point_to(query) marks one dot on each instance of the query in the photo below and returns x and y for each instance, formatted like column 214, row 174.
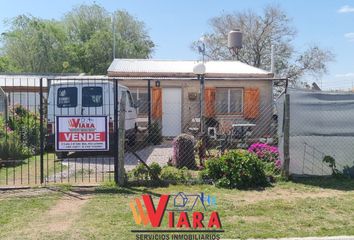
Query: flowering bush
column 266, row 153
column 236, row 169
column 269, row 155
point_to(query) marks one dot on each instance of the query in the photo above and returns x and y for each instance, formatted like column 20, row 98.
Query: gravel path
column 97, row 167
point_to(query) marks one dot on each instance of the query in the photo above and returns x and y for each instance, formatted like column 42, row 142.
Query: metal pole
column 286, row 150
column 41, row 129
column 149, row 103
column 114, row 37
column 121, row 139
column 202, row 80
column 6, row 109
column 116, row 144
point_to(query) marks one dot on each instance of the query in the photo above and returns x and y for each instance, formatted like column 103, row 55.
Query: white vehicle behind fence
column 88, row 97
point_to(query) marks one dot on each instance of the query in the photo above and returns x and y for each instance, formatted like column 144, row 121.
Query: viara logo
column 184, row 209
column 77, row 123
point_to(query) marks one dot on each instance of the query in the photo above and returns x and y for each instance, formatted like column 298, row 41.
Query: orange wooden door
column 156, row 103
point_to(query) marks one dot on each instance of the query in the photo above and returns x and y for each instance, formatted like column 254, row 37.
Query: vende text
column 82, row 137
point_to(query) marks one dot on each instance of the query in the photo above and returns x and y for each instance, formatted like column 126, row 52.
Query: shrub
column 175, row 175
column 140, row 172
column 269, row 155
column 26, row 126
column 237, row 169
column 154, row 134
column 155, row 171
column 183, row 151
column 332, row 164
column 10, row 148
column 266, row 153
column 348, row 171
column 2, row 127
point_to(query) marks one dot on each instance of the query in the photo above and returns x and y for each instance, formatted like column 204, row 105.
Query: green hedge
column 236, row 169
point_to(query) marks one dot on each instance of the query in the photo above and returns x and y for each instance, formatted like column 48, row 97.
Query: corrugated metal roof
column 174, row 68
column 21, row 81
column 32, row 80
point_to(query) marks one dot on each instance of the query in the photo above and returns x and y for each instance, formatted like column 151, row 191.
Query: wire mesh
column 175, row 129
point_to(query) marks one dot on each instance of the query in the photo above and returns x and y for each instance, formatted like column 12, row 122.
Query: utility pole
column 114, row 35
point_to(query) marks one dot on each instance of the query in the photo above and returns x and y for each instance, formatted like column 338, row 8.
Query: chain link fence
column 146, row 130
column 193, row 140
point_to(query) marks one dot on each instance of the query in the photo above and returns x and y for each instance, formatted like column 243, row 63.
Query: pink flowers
column 266, row 153
column 9, row 130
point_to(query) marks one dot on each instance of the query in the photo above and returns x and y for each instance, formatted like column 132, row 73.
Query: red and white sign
column 88, row 133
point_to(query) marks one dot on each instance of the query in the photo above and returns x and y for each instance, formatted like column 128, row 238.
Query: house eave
column 188, row 75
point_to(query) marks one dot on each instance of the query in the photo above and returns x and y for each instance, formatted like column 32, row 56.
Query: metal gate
column 59, row 130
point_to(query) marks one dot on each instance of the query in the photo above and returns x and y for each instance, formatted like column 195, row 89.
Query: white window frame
column 229, row 100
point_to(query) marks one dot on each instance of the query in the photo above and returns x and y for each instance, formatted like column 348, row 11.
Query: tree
column 6, row 65
column 89, row 28
column 34, row 45
column 81, row 42
column 272, row 27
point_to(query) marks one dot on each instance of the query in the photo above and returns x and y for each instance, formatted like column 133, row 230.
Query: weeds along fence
column 39, row 143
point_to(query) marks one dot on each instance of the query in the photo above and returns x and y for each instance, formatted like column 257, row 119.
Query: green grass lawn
column 15, row 213
column 323, row 207
column 29, row 171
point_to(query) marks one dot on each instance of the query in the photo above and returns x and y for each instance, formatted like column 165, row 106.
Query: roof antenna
column 201, row 47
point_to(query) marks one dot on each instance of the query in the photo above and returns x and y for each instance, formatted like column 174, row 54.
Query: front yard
column 289, row 209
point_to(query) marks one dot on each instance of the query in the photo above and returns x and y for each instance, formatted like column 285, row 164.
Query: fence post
column 115, row 151
column 286, row 144
column 6, row 108
column 149, row 103
column 41, row 129
column 121, row 141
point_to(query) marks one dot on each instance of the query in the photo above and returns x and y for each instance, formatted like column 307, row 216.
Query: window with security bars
column 229, row 100
column 140, row 95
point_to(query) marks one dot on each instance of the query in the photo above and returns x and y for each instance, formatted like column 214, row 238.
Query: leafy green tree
column 132, row 38
column 90, row 47
column 6, row 65
column 81, row 42
column 35, row 45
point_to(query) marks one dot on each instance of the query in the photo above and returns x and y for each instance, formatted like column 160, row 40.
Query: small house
column 234, row 92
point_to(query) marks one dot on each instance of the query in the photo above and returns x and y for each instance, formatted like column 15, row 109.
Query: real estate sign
column 83, row 133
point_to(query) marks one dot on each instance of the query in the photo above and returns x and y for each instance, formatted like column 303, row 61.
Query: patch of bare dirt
column 61, row 216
